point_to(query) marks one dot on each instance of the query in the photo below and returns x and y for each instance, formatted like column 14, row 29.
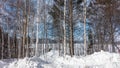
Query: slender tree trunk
column 9, row 51
column 71, row 29
column 36, row 52
column 16, row 46
column 64, row 28
column 25, row 28
column 2, row 45
column 45, row 29
column 19, row 22
column 112, row 36
column 85, row 46
column 37, row 38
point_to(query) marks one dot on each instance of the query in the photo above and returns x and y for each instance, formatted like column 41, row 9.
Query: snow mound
column 34, row 62
column 103, row 60
column 53, row 60
column 2, row 64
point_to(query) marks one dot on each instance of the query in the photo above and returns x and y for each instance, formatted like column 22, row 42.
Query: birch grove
column 73, row 27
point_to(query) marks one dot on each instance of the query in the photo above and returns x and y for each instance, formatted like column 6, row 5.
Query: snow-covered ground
column 53, row 60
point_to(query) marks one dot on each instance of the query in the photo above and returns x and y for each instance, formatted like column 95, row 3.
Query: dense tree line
column 27, row 22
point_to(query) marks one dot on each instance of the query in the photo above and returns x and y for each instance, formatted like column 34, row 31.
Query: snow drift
column 53, row 60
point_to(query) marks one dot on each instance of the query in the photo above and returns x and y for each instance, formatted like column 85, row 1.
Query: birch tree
column 85, row 47
column 9, row 48
column 37, row 21
column 64, row 28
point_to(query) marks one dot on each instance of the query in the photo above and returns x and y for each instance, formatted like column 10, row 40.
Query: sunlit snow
column 53, row 60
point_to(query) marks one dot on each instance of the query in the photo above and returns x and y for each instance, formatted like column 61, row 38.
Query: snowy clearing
column 53, row 60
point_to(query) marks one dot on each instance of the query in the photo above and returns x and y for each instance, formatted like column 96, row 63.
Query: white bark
column 64, row 27
column 85, row 47
column 36, row 50
column 19, row 22
column 27, row 29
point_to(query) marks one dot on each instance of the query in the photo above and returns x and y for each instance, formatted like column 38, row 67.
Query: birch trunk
column 64, row 28
column 9, row 51
column 85, row 47
column 36, row 50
